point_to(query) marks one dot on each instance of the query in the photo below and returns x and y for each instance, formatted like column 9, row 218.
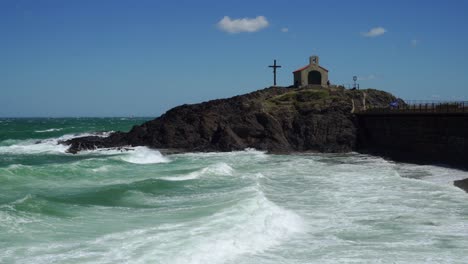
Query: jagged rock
column 462, row 184
column 274, row 119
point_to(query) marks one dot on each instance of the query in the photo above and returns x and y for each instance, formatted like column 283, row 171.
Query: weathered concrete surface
column 416, row 137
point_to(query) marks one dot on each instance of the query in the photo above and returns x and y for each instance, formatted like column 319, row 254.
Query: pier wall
column 432, row 138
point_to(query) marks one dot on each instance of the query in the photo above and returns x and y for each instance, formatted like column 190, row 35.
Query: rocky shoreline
column 275, row 119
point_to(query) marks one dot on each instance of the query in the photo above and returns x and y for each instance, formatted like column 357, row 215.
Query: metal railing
column 420, row 106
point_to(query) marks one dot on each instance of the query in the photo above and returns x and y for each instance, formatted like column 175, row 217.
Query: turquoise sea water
column 139, row 206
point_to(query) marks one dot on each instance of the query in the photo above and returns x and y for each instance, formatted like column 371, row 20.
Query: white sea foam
column 16, row 166
column 34, row 147
column 106, row 151
column 434, row 174
column 259, row 175
column 50, row 145
column 190, row 176
column 144, row 155
column 287, row 209
column 49, row 130
column 248, row 152
column 9, row 142
column 250, row 227
column 221, row 169
column 13, row 222
column 104, row 168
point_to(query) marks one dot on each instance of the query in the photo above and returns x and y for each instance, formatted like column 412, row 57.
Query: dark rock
column 462, row 184
column 274, row 119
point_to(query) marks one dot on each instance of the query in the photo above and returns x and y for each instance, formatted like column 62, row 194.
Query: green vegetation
column 299, row 99
column 303, row 95
column 306, row 100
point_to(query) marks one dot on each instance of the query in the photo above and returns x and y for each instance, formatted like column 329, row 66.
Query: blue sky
column 122, row 58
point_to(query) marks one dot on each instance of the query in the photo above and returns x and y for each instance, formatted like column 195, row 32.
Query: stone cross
column 274, row 66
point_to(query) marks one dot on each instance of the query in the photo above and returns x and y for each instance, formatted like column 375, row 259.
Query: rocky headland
column 275, row 119
column 287, row 120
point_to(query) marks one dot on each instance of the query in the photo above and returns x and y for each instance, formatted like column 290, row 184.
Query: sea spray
column 222, row 169
column 48, row 130
column 49, row 145
column 144, row 155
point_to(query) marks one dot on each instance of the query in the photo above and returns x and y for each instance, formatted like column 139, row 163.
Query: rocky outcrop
column 462, row 184
column 275, row 119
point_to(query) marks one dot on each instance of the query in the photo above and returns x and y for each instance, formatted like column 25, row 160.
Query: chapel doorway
column 314, row 77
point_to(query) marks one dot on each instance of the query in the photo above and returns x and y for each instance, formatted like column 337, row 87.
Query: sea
column 140, row 206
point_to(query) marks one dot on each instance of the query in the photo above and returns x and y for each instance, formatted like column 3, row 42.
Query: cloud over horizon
column 242, row 24
column 374, row 32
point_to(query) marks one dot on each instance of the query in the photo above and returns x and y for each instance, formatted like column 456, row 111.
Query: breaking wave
column 221, row 169
column 49, row 130
column 252, row 225
column 49, row 146
column 143, row 155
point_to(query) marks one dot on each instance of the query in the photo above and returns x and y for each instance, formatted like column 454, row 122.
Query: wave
column 49, row 130
column 49, row 146
column 116, row 195
column 104, row 168
column 430, row 173
column 241, row 153
column 34, row 147
column 12, row 220
column 221, row 168
column 8, row 142
column 135, row 155
column 251, row 226
column 144, row 155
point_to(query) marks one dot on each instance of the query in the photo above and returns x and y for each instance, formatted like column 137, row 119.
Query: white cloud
column 285, row 30
column 414, row 42
column 374, row 32
column 242, row 24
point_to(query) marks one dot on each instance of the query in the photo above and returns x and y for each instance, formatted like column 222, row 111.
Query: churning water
column 139, row 206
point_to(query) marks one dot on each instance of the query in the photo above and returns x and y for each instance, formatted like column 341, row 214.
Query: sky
column 141, row 58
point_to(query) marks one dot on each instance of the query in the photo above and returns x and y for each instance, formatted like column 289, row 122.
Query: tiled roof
column 307, row 66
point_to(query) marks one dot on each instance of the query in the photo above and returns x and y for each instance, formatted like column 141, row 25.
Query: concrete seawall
column 433, row 138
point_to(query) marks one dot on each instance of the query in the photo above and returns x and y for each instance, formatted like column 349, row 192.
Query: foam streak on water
column 139, row 206
column 36, row 146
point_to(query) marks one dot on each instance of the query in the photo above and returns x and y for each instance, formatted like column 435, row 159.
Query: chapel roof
column 307, row 66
